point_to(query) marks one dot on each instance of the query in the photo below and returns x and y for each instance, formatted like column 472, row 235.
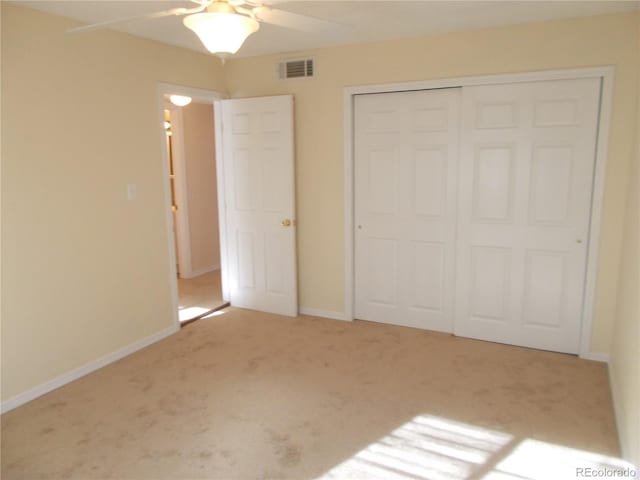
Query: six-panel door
column 526, row 172
column 406, row 155
column 260, row 209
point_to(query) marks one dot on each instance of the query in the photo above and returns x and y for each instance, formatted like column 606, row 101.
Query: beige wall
column 592, row 41
column 202, row 193
column 625, row 351
column 85, row 271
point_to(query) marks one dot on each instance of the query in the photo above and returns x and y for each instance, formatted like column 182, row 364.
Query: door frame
column 606, row 76
column 203, row 96
column 183, row 234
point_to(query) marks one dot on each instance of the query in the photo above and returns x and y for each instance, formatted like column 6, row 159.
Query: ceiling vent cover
column 296, row 69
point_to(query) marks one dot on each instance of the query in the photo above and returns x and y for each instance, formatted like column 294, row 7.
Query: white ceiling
column 363, row 21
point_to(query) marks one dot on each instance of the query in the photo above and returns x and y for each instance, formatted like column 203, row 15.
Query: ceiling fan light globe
column 221, row 32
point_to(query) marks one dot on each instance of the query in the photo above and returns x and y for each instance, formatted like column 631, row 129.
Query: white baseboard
column 617, row 411
column 76, row 373
column 201, row 271
column 596, row 357
column 624, row 429
column 324, row 314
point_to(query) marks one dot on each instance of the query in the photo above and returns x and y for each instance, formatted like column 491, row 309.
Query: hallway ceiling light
column 180, row 100
column 221, row 29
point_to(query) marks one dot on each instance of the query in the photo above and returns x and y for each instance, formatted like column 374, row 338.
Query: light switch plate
column 132, row 191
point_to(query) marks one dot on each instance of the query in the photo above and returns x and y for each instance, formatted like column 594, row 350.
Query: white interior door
column 406, row 149
column 526, row 171
column 258, row 158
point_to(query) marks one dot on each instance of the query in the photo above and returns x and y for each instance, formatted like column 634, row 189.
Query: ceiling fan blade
column 164, row 13
column 294, row 21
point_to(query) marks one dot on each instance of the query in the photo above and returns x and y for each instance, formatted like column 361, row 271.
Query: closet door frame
column 606, row 76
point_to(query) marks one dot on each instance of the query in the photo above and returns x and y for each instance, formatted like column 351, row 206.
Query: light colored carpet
column 246, row 395
column 199, row 295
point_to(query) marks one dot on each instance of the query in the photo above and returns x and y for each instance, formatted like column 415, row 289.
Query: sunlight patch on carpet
column 434, row 448
column 190, row 312
column 533, row 459
column 217, row 313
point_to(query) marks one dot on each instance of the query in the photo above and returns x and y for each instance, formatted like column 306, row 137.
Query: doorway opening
column 190, row 160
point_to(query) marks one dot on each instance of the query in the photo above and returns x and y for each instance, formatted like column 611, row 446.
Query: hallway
column 198, row 295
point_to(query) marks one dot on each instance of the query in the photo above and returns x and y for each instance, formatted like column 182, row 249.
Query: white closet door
column 406, row 151
column 526, row 171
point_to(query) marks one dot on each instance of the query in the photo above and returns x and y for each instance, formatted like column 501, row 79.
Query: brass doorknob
column 286, row 222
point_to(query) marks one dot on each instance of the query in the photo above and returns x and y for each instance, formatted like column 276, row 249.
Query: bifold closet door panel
column 527, row 157
column 406, row 155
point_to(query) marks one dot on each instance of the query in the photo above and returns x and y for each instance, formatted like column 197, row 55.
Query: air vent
column 296, row 69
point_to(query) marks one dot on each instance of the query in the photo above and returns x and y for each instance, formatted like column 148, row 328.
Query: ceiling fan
column 224, row 25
